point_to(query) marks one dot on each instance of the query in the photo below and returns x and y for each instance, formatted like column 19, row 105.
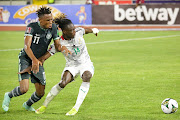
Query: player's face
column 70, row 31
column 46, row 21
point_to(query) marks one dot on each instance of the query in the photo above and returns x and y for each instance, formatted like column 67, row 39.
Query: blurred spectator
column 139, row 2
column 82, row 15
column 89, row 1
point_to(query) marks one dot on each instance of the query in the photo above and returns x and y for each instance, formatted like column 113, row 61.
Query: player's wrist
column 34, row 60
column 62, row 48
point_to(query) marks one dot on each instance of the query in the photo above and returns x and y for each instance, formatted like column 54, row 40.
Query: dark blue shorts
column 35, row 78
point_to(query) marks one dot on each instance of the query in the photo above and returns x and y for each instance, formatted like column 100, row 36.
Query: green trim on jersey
column 57, row 32
column 28, row 35
column 19, row 69
column 40, row 26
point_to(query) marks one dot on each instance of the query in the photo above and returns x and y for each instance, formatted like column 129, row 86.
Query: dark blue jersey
column 41, row 38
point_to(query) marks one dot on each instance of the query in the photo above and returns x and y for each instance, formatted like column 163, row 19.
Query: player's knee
column 24, row 86
column 40, row 94
column 86, row 76
column 62, row 84
column 24, row 90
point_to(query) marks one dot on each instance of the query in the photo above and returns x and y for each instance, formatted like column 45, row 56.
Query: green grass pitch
column 134, row 72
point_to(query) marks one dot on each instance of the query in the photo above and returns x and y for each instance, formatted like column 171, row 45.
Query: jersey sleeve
column 55, row 32
column 29, row 30
column 52, row 49
column 80, row 30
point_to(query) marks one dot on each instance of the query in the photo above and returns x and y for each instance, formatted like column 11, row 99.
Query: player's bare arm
column 88, row 30
column 35, row 61
column 44, row 57
column 93, row 30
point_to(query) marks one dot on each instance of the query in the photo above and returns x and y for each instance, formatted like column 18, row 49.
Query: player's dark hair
column 43, row 10
column 62, row 21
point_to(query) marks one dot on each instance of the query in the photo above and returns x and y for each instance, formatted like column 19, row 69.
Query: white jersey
column 77, row 47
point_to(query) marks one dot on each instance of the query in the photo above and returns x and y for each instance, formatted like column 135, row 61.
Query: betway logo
column 141, row 13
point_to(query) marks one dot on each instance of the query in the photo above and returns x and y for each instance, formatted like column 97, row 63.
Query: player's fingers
column 19, row 73
column 66, row 53
column 24, row 71
column 33, row 70
column 70, row 52
column 63, row 51
column 37, row 69
column 29, row 72
column 40, row 63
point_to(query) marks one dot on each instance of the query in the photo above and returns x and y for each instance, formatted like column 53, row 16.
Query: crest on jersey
column 48, row 36
column 80, row 41
column 28, row 30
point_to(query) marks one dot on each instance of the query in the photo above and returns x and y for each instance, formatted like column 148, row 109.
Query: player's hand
column 95, row 31
column 28, row 70
column 65, row 50
column 35, row 66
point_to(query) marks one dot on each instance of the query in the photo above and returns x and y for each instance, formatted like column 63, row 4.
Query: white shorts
column 80, row 69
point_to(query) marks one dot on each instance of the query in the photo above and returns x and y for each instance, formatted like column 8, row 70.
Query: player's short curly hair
column 43, row 10
column 62, row 21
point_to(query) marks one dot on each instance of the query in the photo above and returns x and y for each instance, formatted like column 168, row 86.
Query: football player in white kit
column 77, row 63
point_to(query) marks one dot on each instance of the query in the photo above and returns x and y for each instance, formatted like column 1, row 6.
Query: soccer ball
column 169, row 105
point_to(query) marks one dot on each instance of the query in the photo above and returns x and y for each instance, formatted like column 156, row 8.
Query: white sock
column 83, row 90
column 54, row 91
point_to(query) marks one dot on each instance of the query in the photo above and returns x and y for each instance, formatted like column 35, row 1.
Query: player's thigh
column 67, row 76
column 23, row 64
column 72, row 70
column 23, row 78
column 39, row 77
column 88, row 68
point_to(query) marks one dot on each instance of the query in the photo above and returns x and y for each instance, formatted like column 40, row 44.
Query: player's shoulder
column 79, row 29
column 33, row 25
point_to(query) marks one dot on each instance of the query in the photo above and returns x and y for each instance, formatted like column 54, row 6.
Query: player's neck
column 66, row 37
column 42, row 27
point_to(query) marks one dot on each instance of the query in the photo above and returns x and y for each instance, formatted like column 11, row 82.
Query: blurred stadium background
column 104, row 14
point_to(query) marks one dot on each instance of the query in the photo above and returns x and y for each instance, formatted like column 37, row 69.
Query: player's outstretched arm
column 93, row 30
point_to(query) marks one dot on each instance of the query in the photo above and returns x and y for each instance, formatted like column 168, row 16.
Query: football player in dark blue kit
column 37, row 37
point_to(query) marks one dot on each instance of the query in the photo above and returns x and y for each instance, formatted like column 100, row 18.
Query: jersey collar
column 62, row 38
column 40, row 26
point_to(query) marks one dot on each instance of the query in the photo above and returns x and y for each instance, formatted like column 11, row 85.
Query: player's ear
column 64, row 32
column 39, row 19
